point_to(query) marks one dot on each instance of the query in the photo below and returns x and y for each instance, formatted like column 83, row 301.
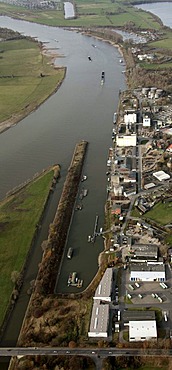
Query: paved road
column 92, row 352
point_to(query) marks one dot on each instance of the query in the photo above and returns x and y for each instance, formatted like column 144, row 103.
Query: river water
column 162, row 10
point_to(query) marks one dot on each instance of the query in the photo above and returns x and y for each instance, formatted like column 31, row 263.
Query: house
column 169, row 149
column 161, row 175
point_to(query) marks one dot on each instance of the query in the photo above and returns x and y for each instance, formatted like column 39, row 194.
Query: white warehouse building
column 142, row 330
column 130, row 118
column 147, row 271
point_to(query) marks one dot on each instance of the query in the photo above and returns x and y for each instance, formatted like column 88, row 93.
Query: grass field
column 161, row 213
column 24, row 89
column 19, row 215
column 89, row 13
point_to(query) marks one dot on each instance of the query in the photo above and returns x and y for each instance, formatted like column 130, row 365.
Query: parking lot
column 145, row 294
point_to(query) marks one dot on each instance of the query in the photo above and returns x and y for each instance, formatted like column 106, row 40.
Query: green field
column 21, row 87
column 88, row 13
column 19, row 215
column 161, row 213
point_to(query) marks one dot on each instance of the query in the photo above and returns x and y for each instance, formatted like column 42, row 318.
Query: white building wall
column 146, row 122
column 130, row 118
column 147, row 276
column 126, row 140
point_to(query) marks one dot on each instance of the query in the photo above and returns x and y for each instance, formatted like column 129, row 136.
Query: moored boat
column 85, row 192
column 70, row 253
column 84, row 177
column 114, row 117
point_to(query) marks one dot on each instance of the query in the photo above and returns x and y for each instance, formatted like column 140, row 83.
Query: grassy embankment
column 19, row 215
column 22, row 88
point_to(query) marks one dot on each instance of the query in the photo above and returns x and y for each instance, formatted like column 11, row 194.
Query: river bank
column 26, row 96
column 20, row 220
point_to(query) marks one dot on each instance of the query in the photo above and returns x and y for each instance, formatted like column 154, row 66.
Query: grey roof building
column 104, row 289
column 143, row 252
column 99, row 321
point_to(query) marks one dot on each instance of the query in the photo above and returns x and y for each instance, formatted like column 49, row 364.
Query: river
column 162, row 10
column 80, row 109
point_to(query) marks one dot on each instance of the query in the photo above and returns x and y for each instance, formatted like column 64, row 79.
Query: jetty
column 92, row 238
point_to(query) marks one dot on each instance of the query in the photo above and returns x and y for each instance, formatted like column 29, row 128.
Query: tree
column 15, row 276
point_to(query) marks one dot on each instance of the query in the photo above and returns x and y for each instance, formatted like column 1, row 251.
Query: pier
column 93, row 237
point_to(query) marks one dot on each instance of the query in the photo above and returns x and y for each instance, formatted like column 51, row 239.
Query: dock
column 93, row 237
column 74, row 281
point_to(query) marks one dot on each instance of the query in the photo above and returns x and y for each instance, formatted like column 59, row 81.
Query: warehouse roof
column 99, row 318
column 144, row 250
column 147, row 266
column 142, row 330
column 138, row 315
column 104, row 289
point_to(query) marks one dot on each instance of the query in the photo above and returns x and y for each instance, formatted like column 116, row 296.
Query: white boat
column 89, row 238
column 114, row 117
column 85, row 192
column 84, row 177
column 69, row 253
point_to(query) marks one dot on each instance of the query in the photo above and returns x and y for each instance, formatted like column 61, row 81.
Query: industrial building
column 100, row 312
column 99, row 321
column 143, row 253
column 142, row 325
column 126, row 140
column 104, row 289
column 147, row 271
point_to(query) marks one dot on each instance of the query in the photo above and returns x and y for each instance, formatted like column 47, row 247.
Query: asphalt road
column 92, row 352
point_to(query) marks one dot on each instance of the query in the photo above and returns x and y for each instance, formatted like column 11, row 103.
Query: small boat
column 102, row 77
column 89, row 238
column 85, row 192
column 69, row 253
column 84, row 177
column 78, row 207
column 114, row 117
column 69, row 282
column 120, row 61
column 94, row 46
column 89, row 58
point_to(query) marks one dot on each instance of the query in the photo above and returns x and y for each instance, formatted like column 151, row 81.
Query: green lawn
column 161, row 213
column 19, row 215
column 21, row 87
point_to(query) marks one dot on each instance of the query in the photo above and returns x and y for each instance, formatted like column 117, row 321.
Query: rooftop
column 147, row 266
column 99, row 318
column 103, row 290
